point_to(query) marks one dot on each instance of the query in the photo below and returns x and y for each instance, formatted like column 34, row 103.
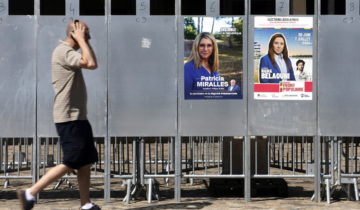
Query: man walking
column 70, row 115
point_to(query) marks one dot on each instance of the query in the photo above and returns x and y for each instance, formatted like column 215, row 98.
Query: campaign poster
column 213, row 61
column 283, row 58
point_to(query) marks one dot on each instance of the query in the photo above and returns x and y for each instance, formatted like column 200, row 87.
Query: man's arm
column 88, row 59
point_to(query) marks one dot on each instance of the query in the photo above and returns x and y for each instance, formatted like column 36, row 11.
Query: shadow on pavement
column 184, row 205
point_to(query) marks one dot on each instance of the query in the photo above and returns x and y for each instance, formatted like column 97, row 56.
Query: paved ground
column 193, row 197
column 191, row 203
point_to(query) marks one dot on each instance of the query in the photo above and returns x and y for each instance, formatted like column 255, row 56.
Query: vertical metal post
column 339, row 152
column 150, row 190
column 156, row 156
column 213, row 150
column 327, row 191
column 128, row 191
column 282, row 154
column 193, row 154
column 134, row 162
column 169, row 165
column 150, row 159
column 128, row 155
column 120, row 154
column 53, row 150
column 13, row 154
column 178, row 158
column 307, row 153
column 256, row 155
column 35, row 146
column 186, row 144
column 177, row 168
column 107, row 140
column 18, row 157
column 206, row 153
column 302, row 148
column 219, row 155
column 202, row 150
column 231, row 156
column 247, row 181
column 269, row 144
column 46, row 153
column 58, row 152
column 356, row 190
column 333, row 158
column 113, row 153
column 162, row 155
column 1, row 154
column 317, row 171
column 6, row 158
column 356, row 156
column 212, row 8
column 142, row 160
column 287, row 152
column 317, row 138
column 353, row 155
column 347, row 160
column 171, row 153
column 352, row 8
column 326, row 157
column 282, row 7
column 294, row 154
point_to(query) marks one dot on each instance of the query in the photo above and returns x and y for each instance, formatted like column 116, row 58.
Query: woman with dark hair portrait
column 203, row 62
column 276, row 65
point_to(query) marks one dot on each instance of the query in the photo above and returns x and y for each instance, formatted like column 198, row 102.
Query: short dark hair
column 300, row 61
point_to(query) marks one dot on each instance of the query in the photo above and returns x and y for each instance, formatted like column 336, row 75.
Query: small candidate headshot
column 233, row 87
column 300, row 74
column 300, row 64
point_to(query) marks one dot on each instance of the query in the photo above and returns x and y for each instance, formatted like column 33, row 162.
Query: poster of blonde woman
column 283, row 58
column 213, row 58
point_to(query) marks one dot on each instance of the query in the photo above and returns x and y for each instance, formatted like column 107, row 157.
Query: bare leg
column 84, row 184
column 52, row 175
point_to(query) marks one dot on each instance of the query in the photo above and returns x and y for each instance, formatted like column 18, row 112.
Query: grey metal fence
column 16, row 159
column 340, row 167
column 149, row 135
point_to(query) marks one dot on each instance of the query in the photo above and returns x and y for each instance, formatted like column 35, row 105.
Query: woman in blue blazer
column 276, row 65
column 202, row 62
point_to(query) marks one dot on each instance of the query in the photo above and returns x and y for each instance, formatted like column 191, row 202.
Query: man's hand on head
column 79, row 32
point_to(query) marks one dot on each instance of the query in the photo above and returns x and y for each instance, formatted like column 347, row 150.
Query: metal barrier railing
column 150, row 161
column 211, row 157
column 16, row 158
column 340, row 166
column 46, row 153
column 140, row 160
column 290, row 155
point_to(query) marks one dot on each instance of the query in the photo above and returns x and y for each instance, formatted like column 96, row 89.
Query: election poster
column 283, row 58
column 213, row 64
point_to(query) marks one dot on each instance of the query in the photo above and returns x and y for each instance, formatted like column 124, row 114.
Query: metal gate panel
column 51, row 29
column 271, row 117
column 96, row 80
column 224, row 117
column 18, row 76
column 339, row 95
column 142, row 76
